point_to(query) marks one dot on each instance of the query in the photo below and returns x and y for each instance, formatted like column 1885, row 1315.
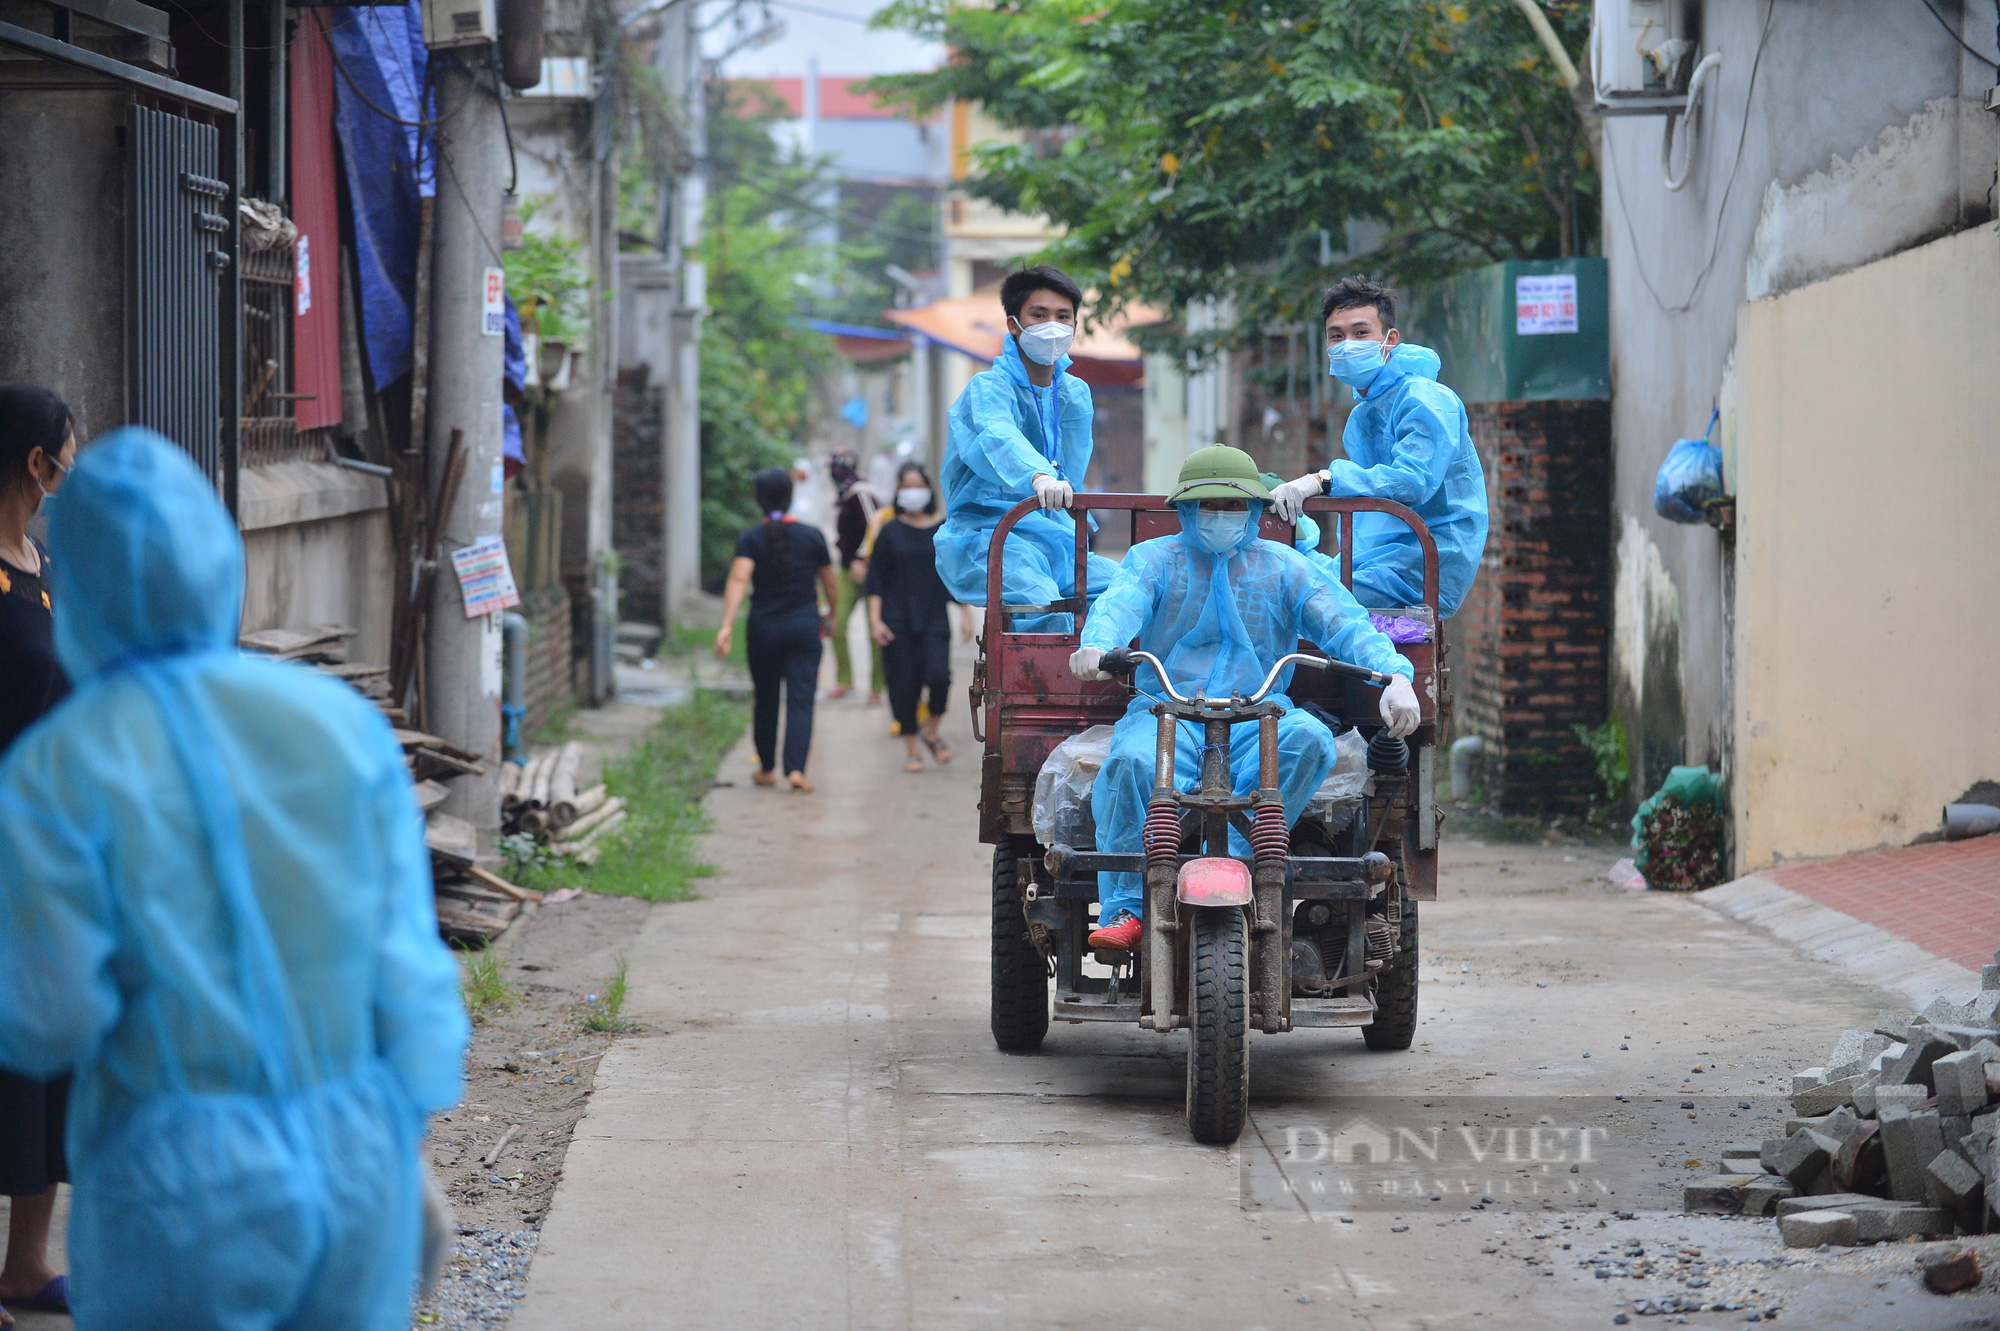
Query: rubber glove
column 1083, row 663
column 1290, row 498
column 1399, row 706
column 1053, row 493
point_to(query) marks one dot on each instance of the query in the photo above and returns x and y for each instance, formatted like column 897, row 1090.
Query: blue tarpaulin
column 379, row 52
column 514, row 369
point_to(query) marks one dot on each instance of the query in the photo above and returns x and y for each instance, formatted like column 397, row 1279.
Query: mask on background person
column 913, row 498
column 1354, row 363
column 48, row 494
column 1045, row 343
column 1220, row 531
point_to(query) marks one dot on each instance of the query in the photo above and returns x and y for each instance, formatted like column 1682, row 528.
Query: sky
column 834, row 31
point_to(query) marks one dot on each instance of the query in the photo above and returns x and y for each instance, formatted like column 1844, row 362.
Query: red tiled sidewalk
column 1944, row 897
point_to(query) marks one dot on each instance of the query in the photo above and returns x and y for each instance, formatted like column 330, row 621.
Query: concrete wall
column 1829, row 79
column 316, row 550
column 62, row 246
column 1866, row 560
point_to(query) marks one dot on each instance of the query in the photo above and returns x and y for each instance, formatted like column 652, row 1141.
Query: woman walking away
column 215, row 906
column 37, row 448
column 858, row 506
column 907, row 614
column 778, row 562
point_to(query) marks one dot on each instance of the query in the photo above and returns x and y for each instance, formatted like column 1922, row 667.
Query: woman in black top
column 37, row 446
column 907, row 614
column 779, row 561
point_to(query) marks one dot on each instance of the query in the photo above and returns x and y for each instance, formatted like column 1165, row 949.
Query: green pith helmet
column 1219, row 472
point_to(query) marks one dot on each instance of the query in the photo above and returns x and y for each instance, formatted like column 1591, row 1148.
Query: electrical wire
column 822, row 13
column 1970, row 49
column 1715, row 241
column 500, row 96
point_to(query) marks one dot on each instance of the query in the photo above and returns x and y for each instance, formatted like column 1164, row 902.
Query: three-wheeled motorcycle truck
column 1315, row 927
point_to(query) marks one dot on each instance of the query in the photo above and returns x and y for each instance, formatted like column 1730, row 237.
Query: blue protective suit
column 1004, row 432
column 1407, row 440
column 1220, row 625
column 216, row 908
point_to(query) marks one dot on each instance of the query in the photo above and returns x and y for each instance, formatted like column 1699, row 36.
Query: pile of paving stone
column 1896, row 1137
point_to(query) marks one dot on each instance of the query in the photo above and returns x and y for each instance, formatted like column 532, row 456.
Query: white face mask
column 1355, row 362
column 1045, row 344
column 47, row 494
column 1220, row 531
column 913, row 498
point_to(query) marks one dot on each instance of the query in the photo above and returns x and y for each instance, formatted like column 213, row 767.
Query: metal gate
column 181, row 241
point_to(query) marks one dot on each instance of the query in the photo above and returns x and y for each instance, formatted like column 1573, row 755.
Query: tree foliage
column 1198, row 149
column 759, row 361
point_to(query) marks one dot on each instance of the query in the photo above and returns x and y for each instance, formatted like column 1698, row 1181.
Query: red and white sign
column 494, row 323
column 1545, row 304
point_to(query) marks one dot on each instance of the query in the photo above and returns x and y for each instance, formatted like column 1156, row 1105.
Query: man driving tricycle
column 1237, row 885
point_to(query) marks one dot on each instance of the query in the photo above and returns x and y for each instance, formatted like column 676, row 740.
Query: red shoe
column 1120, row 937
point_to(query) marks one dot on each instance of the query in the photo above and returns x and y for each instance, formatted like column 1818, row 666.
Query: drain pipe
column 1970, row 820
column 1465, row 751
column 514, row 682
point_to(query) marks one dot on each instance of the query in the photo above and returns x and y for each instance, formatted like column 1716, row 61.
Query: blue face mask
column 1354, row 363
column 1220, row 532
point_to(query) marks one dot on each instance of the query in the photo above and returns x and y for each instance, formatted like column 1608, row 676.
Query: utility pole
column 462, row 663
column 682, row 69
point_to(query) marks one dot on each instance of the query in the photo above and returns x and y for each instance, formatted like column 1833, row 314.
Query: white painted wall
column 1866, row 560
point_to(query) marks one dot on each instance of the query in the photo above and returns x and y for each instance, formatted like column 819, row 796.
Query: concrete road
column 818, row 1132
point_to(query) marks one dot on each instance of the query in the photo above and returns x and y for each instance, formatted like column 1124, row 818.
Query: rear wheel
column 1020, row 976
column 1218, row 1064
column 1395, row 1023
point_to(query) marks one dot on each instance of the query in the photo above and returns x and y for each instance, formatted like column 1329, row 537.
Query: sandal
column 54, row 1298
column 939, row 749
column 764, row 778
column 913, row 764
column 800, row 785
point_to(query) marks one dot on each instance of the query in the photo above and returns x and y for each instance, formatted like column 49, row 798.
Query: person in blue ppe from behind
column 216, row 908
column 1021, row 430
column 1219, row 606
column 1405, row 440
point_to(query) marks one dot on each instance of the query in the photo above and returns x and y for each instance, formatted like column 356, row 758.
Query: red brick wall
column 548, row 684
column 1535, row 630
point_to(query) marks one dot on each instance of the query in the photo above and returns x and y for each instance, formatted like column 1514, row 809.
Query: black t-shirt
column 791, row 593
column 903, row 572
column 30, row 680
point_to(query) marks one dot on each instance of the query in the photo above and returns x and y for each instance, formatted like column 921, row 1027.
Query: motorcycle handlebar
column 1124, row 661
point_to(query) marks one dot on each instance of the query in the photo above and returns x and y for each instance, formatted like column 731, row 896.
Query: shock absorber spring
column 1162, row 833
column 1270, row 839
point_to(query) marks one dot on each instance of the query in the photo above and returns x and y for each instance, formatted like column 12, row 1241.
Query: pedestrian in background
column 856, row 513
column 37, row 449
column 778, row 562
column 216, row 907
column 909, row 615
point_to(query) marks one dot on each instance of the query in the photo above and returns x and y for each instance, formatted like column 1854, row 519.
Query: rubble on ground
column 473, row 903
column 1895, row 1137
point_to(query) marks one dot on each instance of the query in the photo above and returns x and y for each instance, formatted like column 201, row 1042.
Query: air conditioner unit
column 1640, row 54
column 460, row 23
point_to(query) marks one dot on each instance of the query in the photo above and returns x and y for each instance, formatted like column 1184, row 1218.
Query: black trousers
column 784, row 652
column 912, row 663
column 31, row 1134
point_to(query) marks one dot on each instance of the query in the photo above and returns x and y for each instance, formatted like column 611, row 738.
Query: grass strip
column 662, row 780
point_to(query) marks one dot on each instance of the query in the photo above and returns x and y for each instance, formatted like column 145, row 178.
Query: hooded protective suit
column 1004, row 432
column 1407, row 440
column 1220, row 624
column 215, row 906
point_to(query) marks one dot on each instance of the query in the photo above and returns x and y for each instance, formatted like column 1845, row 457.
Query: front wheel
column 1020, row 976
column 1395, row 1024
column 1218, row 1061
